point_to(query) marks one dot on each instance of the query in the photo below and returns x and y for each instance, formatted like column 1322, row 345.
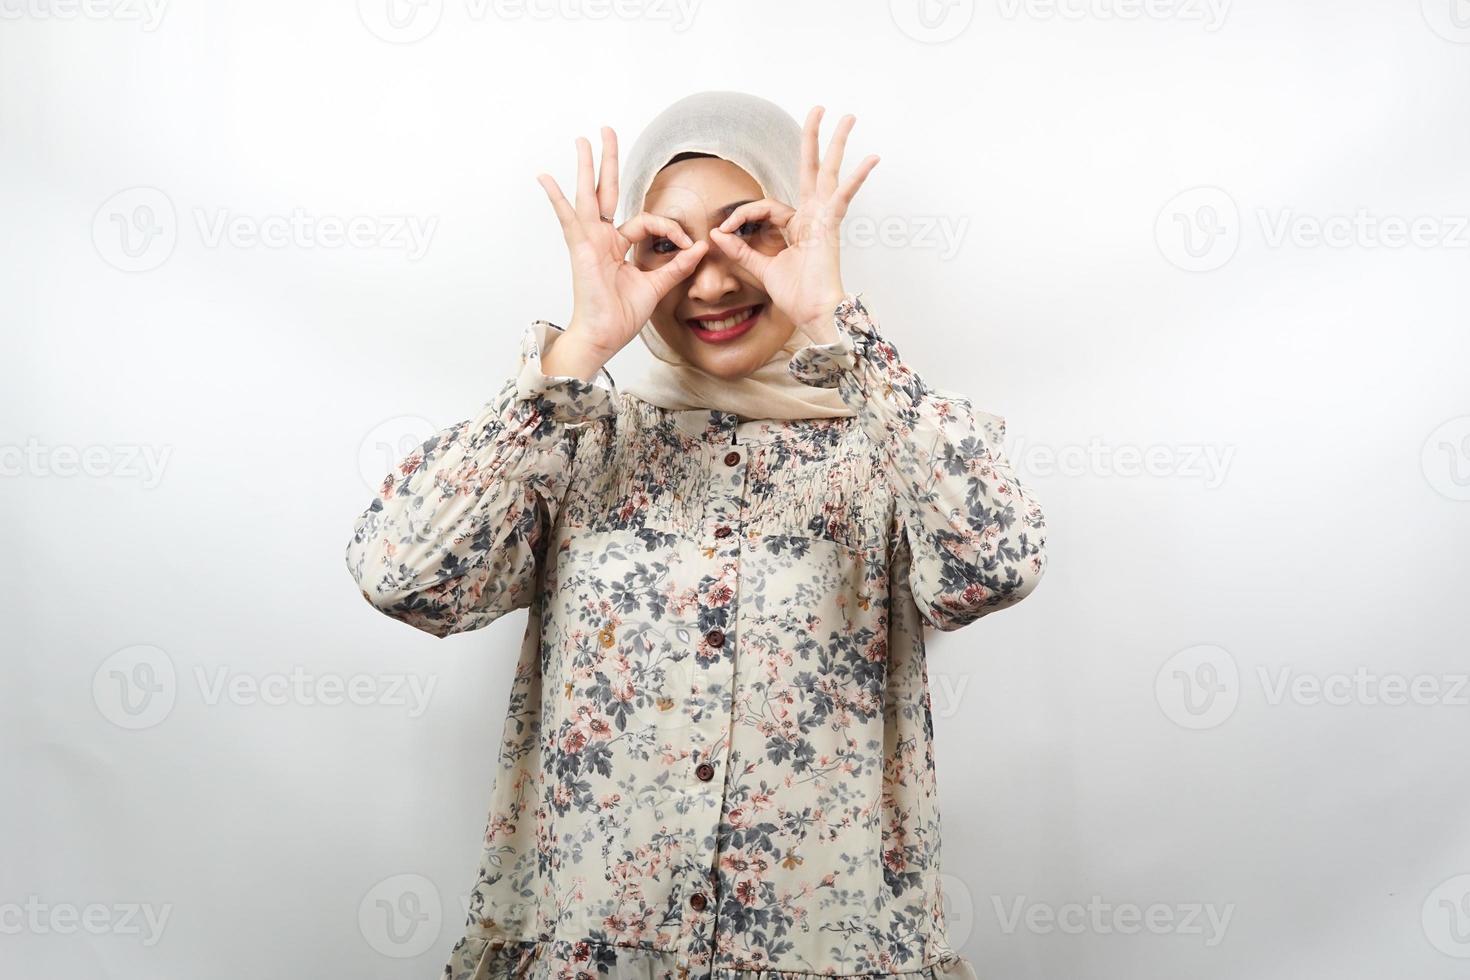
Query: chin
column 730, row 364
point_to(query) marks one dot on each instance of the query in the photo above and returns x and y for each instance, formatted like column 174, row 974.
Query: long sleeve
column 976, row 535
column 451, row 540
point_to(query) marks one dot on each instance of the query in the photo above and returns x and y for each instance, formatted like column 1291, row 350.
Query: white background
column 1210, row 262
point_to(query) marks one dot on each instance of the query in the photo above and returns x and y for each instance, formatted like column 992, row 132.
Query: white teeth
column 726, row 323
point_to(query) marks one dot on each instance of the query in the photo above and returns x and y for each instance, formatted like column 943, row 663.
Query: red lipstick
column 726, row 331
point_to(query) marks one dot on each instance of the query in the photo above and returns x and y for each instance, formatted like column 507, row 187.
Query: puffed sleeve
column 976, row 535
column 451, row 540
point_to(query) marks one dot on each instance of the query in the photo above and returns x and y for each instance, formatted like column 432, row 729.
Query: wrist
column 568, row 356
column 823, row 328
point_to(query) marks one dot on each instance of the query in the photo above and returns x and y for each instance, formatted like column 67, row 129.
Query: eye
column 657, row 246
column 750, row 228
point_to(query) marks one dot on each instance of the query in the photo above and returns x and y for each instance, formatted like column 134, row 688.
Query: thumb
column 742, row 254
column 663, row 279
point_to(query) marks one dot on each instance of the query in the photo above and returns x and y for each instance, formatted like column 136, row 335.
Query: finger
column 644, row 225
column 766, row 208
column 668, row 275
column 832, row 162
column 571, row 226
column 776, row 214
column 809, row 154
column 586, row 191
column 849, row 187
column 607, row 176
column 742, row 254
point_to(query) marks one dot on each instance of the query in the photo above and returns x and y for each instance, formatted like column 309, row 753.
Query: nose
column 714, row 277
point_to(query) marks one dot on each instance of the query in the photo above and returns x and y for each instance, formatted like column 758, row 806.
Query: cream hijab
column 762, row 139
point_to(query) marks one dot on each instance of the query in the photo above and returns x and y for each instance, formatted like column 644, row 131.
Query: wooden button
column 722, row 531
column 705, row 771
column 731, row 458
column 715, row 638
column 698, row 901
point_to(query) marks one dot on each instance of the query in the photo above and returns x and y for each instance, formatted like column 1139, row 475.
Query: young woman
column 718, row 756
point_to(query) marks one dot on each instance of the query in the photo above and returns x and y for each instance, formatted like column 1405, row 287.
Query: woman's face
column 699, row 194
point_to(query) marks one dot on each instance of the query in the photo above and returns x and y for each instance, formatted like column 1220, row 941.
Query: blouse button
column 705, row 771
column 698, row 901
column 723, row 531
column 715, row 638
column 731, row 458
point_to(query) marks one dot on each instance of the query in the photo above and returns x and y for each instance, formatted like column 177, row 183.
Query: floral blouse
column 718, row 752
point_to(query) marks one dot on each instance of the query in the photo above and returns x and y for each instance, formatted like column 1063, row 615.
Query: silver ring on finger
column 605, row 218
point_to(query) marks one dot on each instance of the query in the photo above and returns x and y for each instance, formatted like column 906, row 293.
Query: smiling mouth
column 726, row 322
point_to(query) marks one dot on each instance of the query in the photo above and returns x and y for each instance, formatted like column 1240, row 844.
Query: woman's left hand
column 804, row 279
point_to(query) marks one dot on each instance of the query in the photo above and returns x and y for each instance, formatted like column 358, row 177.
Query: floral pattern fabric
column 718, row 754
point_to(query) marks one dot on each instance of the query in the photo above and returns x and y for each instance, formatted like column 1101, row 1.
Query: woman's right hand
column 611, row 297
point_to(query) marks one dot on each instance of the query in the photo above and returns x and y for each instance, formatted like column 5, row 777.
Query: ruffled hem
column 479, row 958
column 563, row 397
column 822, row 365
